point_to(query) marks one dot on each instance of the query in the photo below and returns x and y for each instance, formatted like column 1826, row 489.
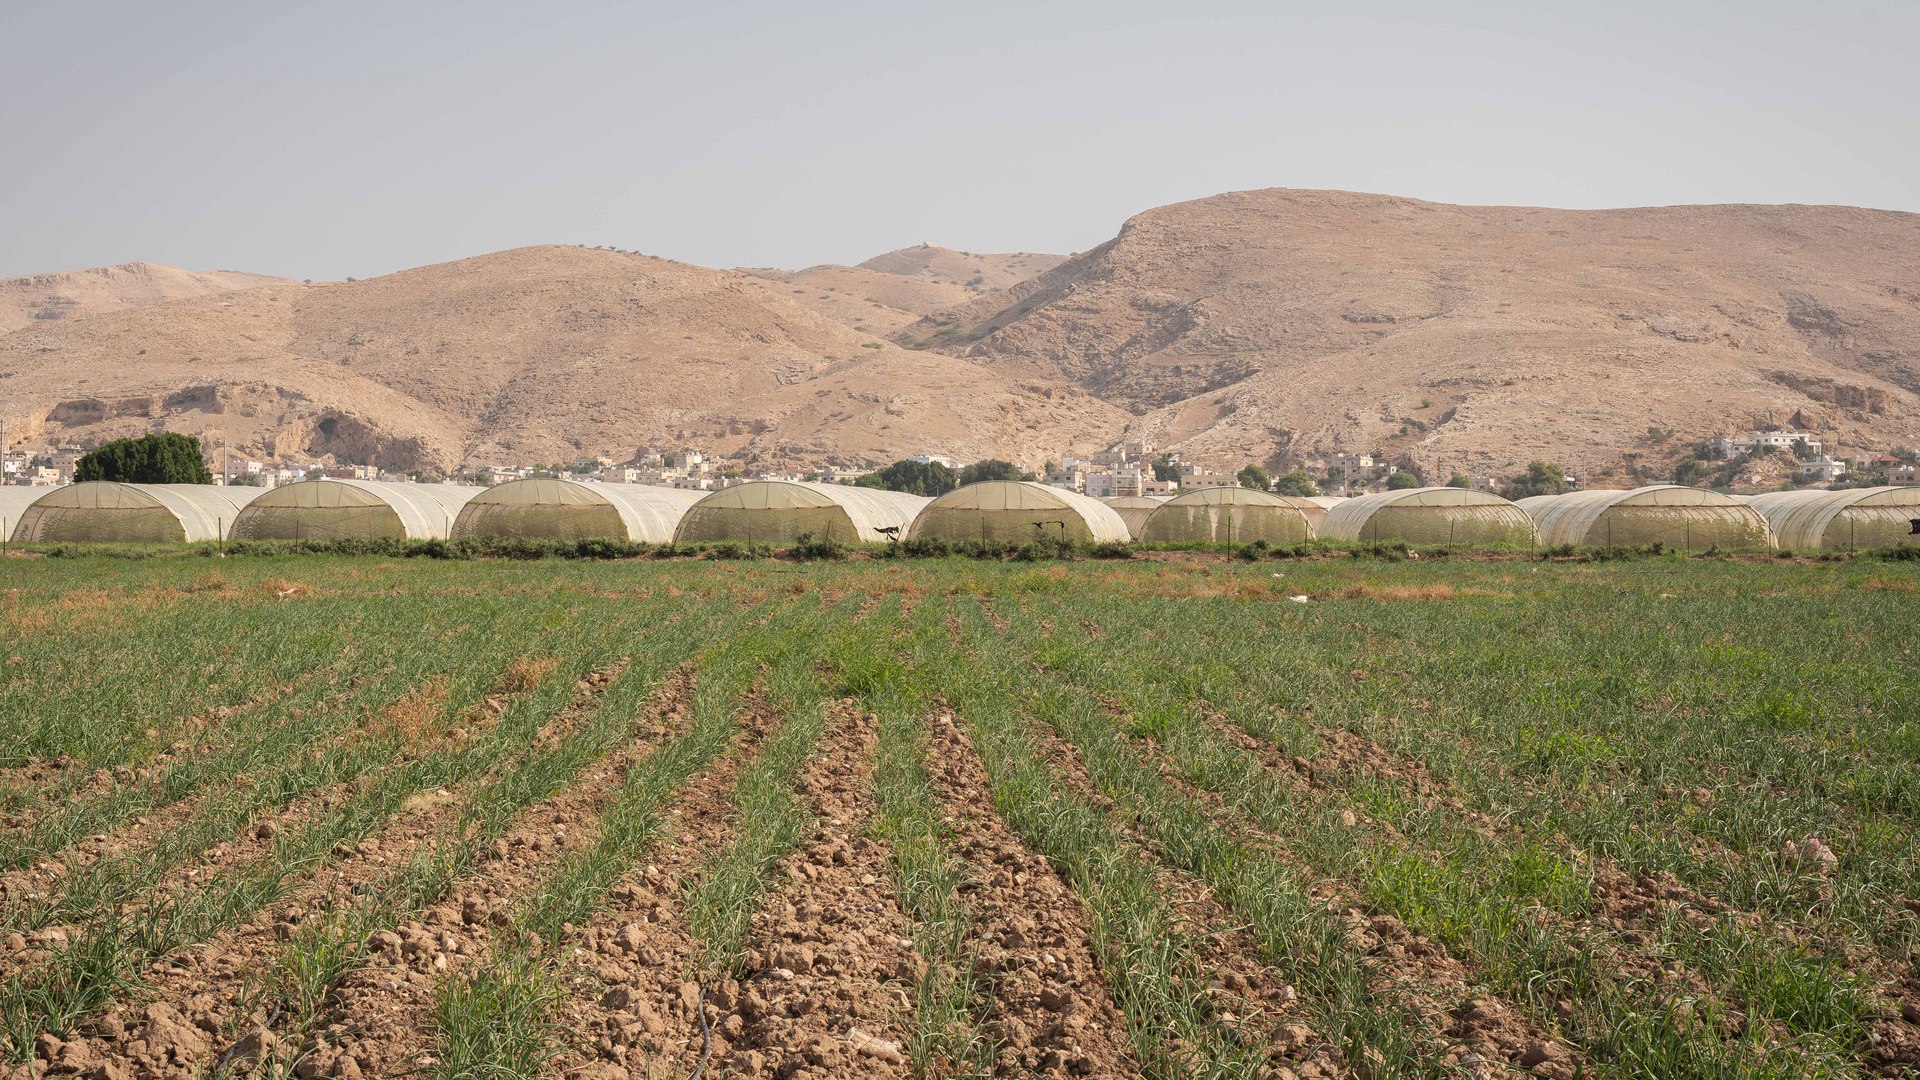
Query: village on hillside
column 1751, row 461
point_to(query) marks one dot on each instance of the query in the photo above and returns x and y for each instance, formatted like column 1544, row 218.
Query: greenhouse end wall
column 1849, row 519
column 569, row 510
column 782, row 512
column 1683, row 518
column 1430, row 517
column 1017, row 512
column 108, row 512
column 1227, row 523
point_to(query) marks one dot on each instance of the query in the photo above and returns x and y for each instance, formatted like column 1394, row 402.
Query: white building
column 1904, row 474
column 1823, row 470
column 1732, row 446
column 1193, row 478
column 1114, row 483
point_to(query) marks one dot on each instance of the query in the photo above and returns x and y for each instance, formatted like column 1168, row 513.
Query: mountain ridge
column 1278, row 326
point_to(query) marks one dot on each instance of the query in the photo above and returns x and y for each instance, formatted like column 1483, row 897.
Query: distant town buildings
column 1733, row 446
column 1126, row 469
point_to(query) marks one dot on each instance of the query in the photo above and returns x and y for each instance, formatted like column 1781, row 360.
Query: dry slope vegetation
column 355, row 818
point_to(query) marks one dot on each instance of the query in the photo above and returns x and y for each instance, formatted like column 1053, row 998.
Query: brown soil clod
column 1051, row 1011
column 632, row 1005
column 828, row 976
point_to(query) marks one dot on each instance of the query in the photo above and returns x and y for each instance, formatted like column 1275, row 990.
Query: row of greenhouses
column 776, row 512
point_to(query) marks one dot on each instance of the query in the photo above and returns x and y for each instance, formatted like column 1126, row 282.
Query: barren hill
column 543, row 353
column 1283, row 324
column 75, row 294
column 1274, row 326
column 891, row 291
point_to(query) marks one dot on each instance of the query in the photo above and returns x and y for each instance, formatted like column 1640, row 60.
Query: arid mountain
column 76, row 294
column 891, row 291
column 1275, row 326
column 1279, row 325
column 546, row 353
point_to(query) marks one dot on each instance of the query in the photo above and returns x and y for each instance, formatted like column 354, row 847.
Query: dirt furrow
column 1480, row 1025
column 1253, row 999
column 1051, row 1010
column 1635, row 904
column 379, row 1018
column 196, row 1005
column 413, row 719
column 633, row 1004
column 1625, row 900
column 829, row 971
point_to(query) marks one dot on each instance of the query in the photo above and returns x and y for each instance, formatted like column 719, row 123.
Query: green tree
column 992, row 469
column 1296, row 483
column 1253, row 476
column 1400, row 481
column 150, row 459
column 1688, row 472
column 1459, row 481
column 928, row 478
column 1165, row 468
column 1541, row 478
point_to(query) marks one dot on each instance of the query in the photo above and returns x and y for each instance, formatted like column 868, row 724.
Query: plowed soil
column 1051, row 1010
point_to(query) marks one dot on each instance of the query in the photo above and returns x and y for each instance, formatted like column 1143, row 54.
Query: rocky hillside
column 1273, row 326
column 545, row 353
column 889, row 292
column 1277, row 325
column 76, row 294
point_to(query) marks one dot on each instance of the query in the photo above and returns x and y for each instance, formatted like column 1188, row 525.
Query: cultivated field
column 355, row 817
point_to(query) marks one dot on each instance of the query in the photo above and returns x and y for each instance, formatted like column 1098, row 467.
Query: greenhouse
column 1135, row 510
column 1233, row 515
column 782, row 511
column 554, row 509
column 353, row 510
column 1850, row 519
column 1429, row 515
column 1326, row 502
column 1690, row 519
column 133, row 513
column 14, row 502
column 1017, row 511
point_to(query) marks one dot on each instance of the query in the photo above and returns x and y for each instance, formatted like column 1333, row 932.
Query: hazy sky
column 351, row 138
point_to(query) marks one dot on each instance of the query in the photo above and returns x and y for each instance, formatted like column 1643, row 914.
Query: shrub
column 806, row 547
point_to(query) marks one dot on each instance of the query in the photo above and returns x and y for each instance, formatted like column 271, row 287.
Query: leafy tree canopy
column 1253, row 476
column 1296, row 483
column 1402, row 480
column 928, row 478
column 150, row 459
column 992, row 469
column 1541, row 478
column 1165, row 468
column 1459, row 481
